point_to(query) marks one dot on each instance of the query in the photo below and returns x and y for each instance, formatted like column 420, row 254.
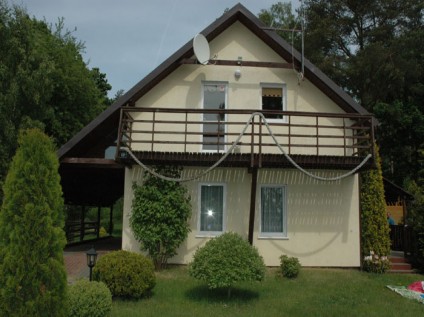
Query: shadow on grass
column 202, row 293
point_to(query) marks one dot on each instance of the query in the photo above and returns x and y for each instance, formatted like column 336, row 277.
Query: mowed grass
column 316, row 292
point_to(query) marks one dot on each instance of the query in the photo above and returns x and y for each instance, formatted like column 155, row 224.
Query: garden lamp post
column 91, row 260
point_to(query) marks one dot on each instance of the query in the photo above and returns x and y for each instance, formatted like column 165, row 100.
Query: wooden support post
column 111, row 220
column 98, row 221
column 82, row 223
column 252, row 203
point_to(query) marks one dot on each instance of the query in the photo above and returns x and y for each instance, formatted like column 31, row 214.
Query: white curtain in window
column 272, row 199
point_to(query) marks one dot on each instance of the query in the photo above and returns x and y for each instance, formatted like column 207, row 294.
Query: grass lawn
column 316, row 292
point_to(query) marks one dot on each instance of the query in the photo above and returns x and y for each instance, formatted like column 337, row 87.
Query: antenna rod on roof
column 280, row 29
column 302, row 24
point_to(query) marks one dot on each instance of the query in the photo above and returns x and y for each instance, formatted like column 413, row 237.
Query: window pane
column 211, row 208
column 272, row 209
column 214, row 96
column 272, row 99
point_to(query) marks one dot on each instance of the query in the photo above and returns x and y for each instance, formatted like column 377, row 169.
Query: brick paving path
column 76, row 259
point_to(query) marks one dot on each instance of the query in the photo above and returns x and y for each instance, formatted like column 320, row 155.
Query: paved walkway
column 76, row 259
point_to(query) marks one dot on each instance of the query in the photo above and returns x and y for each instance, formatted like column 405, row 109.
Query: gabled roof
column 108, row 121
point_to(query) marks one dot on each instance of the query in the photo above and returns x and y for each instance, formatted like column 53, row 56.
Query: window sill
column 207, row 235
column 280, row 120
column 273, row 238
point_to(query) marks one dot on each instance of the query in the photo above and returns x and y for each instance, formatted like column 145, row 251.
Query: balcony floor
column 248, row 161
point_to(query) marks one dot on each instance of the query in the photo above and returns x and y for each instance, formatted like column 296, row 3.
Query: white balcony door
column 214, row 98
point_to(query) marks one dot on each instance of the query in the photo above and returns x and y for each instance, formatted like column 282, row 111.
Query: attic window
column 272, row 99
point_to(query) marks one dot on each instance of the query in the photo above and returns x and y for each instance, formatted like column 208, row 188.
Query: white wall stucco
column 322, row 217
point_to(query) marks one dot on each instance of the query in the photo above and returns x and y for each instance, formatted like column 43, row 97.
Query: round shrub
column 290, row 267
column 89, row 299
column 102, row 232
column 126, row 274
column 225, row 260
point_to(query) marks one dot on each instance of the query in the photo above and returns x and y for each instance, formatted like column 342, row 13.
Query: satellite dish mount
column 201, row 49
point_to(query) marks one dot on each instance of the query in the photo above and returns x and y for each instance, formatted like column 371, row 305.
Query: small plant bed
column 315, row 292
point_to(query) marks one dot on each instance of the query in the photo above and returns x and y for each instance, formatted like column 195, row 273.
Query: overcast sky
column 127, row 39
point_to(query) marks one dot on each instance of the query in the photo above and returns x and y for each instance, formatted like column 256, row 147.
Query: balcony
column 198, row 137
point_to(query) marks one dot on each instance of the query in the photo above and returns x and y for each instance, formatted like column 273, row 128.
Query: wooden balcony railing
column 200, row 131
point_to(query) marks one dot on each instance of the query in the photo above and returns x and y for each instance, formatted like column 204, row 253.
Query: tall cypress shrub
column 32, row 272
column 375, row 229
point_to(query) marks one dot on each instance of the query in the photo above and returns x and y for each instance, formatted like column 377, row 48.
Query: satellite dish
column 201, row 49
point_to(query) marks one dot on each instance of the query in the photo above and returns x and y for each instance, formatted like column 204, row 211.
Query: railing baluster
column 344, row 137
column 118, row 143
column 185, row 134
column 252, row 148
column 153, row 130
column 295, row 135
column 289, row 121
column 317, row 133
column 260, row 142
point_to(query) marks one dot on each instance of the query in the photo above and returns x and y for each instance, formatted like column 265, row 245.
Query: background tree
column 45, row 80
column 159, row 215
column 32, row 272
column 416, row 219
column 401, row 135
column 373, row 49
column 281, row 17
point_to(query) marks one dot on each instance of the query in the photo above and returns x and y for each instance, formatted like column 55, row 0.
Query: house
column 197, row 113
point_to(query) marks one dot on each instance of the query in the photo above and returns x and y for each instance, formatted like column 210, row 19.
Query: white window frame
column 201, row 233
column 275, row 235
column 205, row 83
column 283, row 87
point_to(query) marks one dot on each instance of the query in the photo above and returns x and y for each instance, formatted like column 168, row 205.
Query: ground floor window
column 273, row 210
column 211, row 209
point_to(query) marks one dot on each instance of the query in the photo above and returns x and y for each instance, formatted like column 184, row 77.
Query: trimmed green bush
column 102, row 232
column 290, row 266
column 89, row 299
column 225, row 260
column 375, row 239
column 126, row 274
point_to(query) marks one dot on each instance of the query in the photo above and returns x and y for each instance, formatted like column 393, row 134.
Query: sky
column 127, row 39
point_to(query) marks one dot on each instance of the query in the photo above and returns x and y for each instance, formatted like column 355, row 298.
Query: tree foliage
column 32, row 272
column 416, row 211
column 226, row 260
column 160, row 213
column 375, row 229
column 401, row 136
column 43, row 77
column 365, row 46
column 416, row 219
column 281, row 17
column 373, row 50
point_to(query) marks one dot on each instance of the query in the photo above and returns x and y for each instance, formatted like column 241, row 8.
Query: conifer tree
column 375, row 229
column 32, row 272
